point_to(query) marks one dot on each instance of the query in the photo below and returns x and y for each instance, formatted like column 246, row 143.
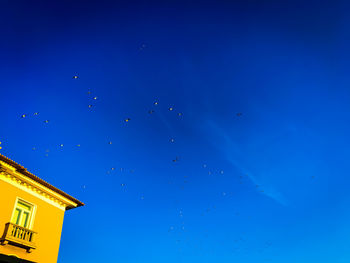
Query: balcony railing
column 18, row 236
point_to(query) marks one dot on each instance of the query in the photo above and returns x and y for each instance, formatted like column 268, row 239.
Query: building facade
column 31, row 215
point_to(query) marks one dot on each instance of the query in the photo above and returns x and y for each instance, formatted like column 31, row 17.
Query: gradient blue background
column 271, row 185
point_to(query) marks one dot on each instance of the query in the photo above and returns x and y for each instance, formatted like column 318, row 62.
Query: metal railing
column 18, row 235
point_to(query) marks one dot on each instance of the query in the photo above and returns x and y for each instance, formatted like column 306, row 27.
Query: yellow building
column 31, row 215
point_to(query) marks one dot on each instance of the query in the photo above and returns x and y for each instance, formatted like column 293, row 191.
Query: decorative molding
column 10, row 175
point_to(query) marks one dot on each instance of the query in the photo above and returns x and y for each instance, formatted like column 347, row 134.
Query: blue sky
column 267, row 185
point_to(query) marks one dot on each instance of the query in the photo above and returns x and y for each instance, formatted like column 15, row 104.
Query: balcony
column 18, row 236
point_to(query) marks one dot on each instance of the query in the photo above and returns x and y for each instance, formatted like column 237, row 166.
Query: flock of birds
column 90, row 106
column 171, row 140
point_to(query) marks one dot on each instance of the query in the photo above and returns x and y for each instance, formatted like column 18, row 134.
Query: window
column 22, row 214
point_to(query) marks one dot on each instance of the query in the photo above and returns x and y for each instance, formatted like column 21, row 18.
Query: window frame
column 32, row 214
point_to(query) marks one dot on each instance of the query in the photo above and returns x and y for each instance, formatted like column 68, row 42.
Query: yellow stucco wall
column 47, row 222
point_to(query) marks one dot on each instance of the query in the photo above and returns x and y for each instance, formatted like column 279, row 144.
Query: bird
column 143, row 46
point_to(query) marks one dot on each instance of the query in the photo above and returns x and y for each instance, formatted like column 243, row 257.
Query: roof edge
column 19, row 168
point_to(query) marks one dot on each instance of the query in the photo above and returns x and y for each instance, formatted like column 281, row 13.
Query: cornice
column 23, row 171
column 11, row 176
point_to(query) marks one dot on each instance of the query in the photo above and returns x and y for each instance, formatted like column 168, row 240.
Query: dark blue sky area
column 250, row 165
